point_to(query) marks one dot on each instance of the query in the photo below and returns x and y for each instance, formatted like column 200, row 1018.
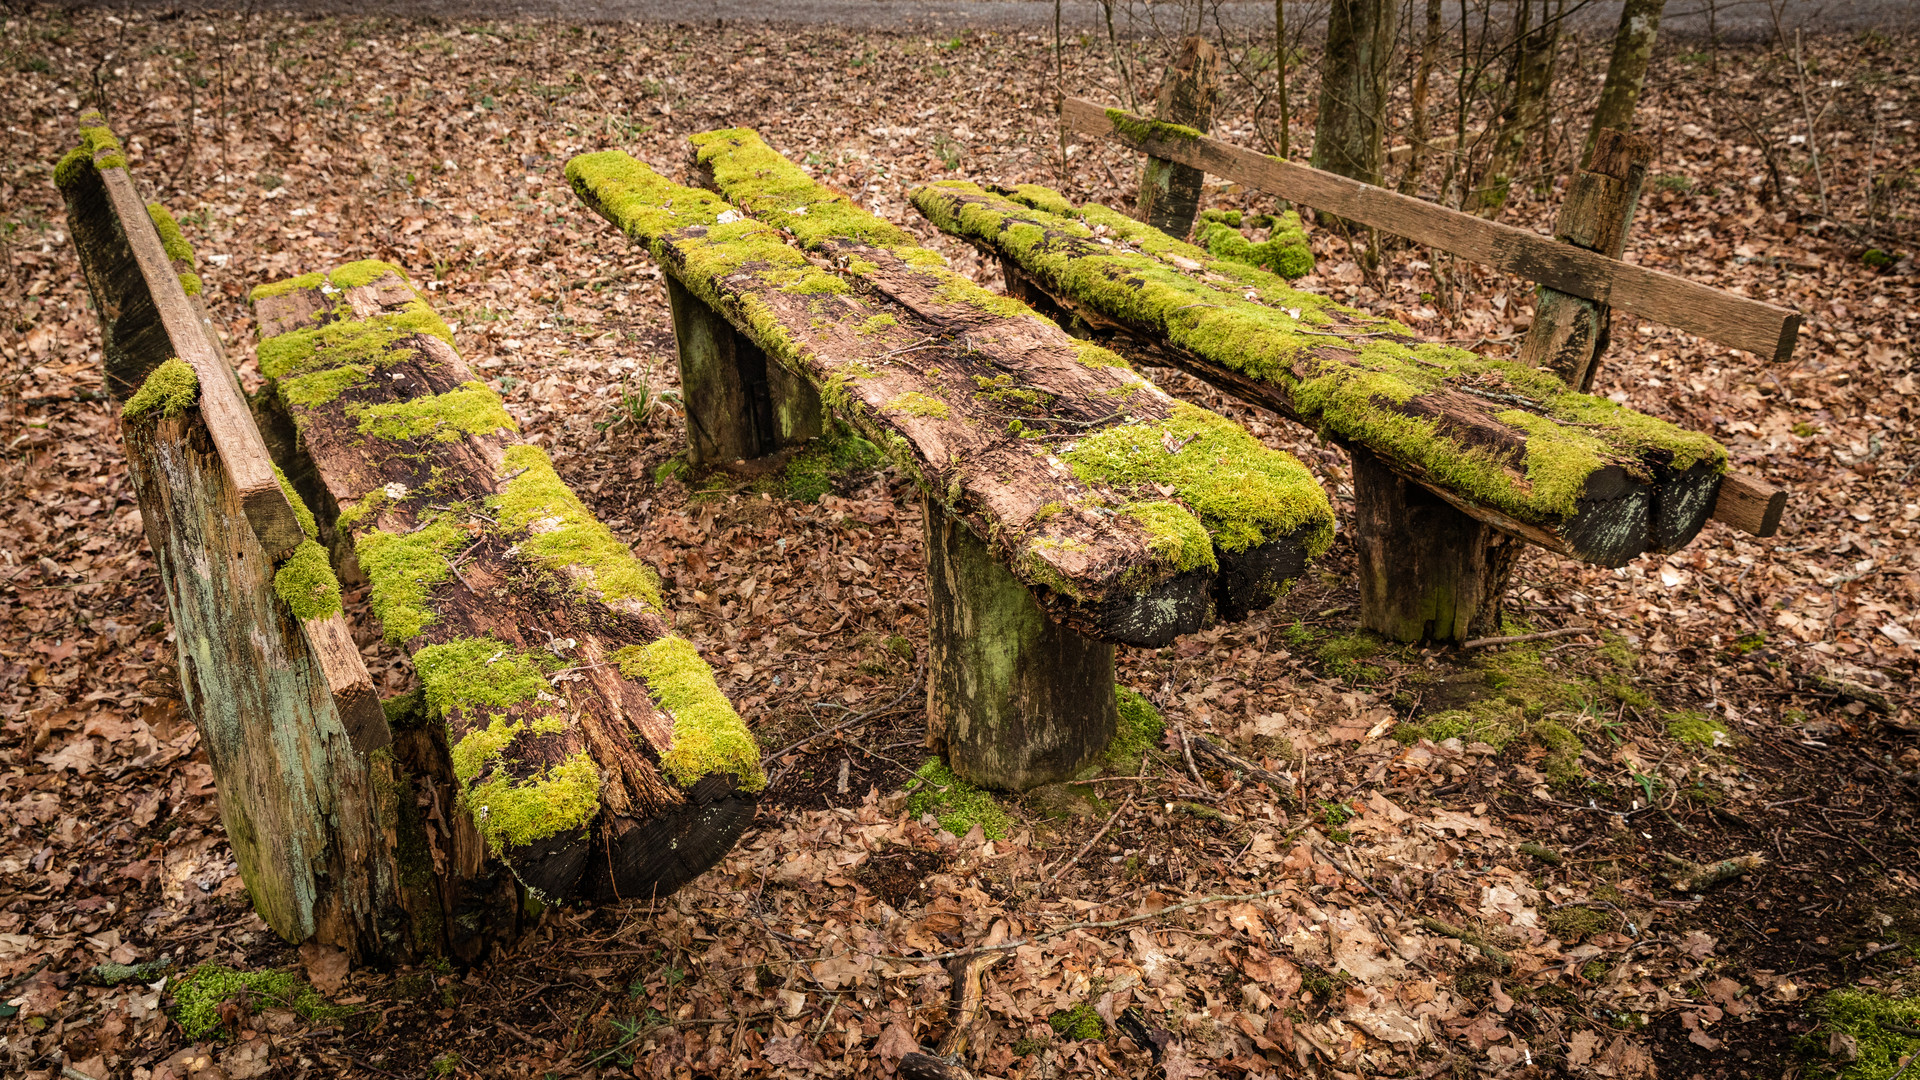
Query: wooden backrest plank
column 1754, row 326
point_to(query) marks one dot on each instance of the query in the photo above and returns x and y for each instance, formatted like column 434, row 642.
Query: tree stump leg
column 740, row 405
column 1014, row 699
column 1427, row 571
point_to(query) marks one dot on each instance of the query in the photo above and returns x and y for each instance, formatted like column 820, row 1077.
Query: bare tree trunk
column 1532, row 79
column 1421, row 131
column 1349, row 134
column 1280, row 67
column 1627, row 71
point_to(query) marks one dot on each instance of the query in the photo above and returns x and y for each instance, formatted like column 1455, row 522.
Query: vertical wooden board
column 1170, row 192
column 294, row 795
column 719, row 402
column 133, row 340
column 1427, row 571
column 1013, row 698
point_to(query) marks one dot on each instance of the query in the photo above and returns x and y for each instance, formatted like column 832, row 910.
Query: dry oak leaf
column 794, row 1051
column 896, row 1042
column 326, row 967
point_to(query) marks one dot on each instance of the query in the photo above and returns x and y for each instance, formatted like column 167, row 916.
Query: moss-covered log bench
column 320, row 796
column 1070, row 504
column 1453, row 454
column 592, row 749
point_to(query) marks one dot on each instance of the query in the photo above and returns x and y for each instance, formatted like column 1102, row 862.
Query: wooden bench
column 1453, row 455
column 1070, row 504
column 318, row 795
column 592, row 748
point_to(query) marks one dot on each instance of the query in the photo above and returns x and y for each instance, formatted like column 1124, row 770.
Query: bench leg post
column 1170, row 193
column 1427, row 571
column 1014, row 699
column 739, row 404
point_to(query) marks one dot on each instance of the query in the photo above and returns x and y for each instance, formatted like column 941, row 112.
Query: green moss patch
column 1079, row 1022
column 198, row 995
column 512, row 812
column 914, row 403
column 1880, row 1024
column 170, row 389
column 562, row 533
column 1242, row 492
column 467, row 409
column 403, row 571
column 814, row 469
column 957, row 805
column 1140, row 730
column 1141, row 129
column 1698, row 729
column 1343, row 370
column 306, row 582
column 1285, row 251
column 708, row 735
column 179, row 252
column 96, row 140
column 300, row 512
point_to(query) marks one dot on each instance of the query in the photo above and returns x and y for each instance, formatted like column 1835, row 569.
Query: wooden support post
column 1169, row 191
column 1569, row 333
column 740, row 405
column 1427, row 571
column 1014, row 699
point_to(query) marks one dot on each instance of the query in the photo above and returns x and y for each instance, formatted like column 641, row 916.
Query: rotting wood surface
column 650, row 834
column 1631, row 501
column 977, row 404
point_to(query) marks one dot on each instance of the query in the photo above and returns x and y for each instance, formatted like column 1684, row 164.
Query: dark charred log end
column 1146, row 620
column 1608, row 483
column 1682, row 502
column 551, row 867
column 1610, row 533
column 364, row 717
column 648, row 859
column 1253, row 579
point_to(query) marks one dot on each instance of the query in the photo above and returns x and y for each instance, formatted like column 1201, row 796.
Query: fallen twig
column 1488, row 949
column 1109, row 924
column 968, row 991
column 1692, row 877
column 1515, row 639
column 1088, row 846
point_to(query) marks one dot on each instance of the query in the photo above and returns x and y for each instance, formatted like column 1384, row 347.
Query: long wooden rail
column 1754, row 326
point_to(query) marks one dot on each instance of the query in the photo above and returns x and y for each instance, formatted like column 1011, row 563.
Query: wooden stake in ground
column 1569, row 333
column 1626, row 69
column 1169, row 191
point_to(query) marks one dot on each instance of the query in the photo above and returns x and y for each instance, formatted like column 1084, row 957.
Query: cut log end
column 653, row 858
column 1749, row 504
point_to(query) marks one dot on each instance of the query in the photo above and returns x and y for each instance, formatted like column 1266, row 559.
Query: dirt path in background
column 1733, row 20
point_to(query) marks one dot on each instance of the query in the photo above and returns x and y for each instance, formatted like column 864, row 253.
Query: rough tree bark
column 1351, row 121
column 1626, row 70
column 1170, row 192
column 1536, row 41
column 1420, row 131
column 1569, row 333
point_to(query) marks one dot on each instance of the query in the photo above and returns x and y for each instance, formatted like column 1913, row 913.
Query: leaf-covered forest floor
column 1463, row 871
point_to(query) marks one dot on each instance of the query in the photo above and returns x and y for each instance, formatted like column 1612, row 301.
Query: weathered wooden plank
column 1750, row 504
column 1064, row 460
column 592, row 749
column 148, row 318
column 1763, row 329
column 1505, row 443
column 322, row 813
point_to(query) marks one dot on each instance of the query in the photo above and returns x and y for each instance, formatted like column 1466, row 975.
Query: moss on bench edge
column 1243, row 493
column 1279, row 339
column 176, row 246
column 752, row 175
column 306, row 582
column 95, row 138
column 307, row 365
column 481, row 681
column 1261, row 494
column 562, row 534
column 708, row 735
column 1140, row 129
column 467, row 409
column 169, row 390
